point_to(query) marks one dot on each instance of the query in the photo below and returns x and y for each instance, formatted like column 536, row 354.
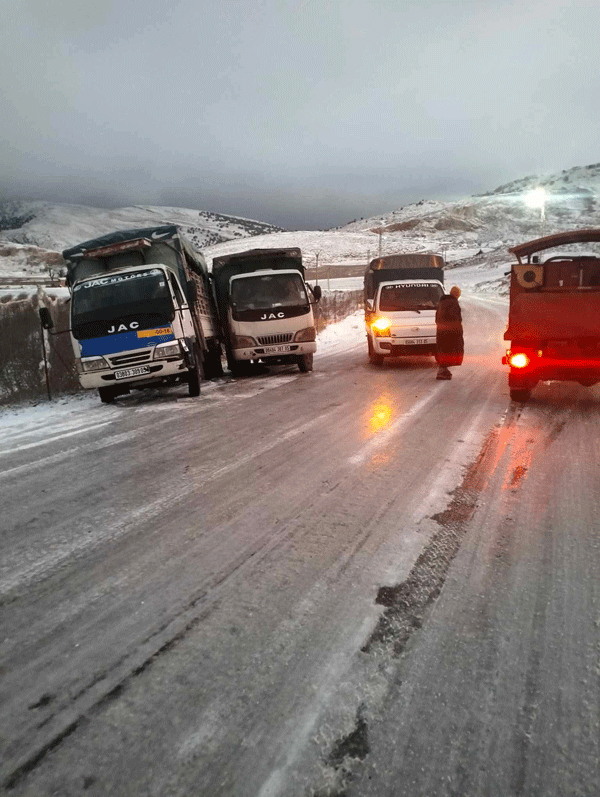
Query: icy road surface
column 358, row 581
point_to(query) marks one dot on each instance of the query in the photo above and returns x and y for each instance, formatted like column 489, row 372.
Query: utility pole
column 41, row 302
column 317, row 267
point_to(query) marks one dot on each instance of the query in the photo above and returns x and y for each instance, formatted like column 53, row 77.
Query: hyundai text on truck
column 142, row 313
column 266, row 308
column 401, row 294
column 554, row 313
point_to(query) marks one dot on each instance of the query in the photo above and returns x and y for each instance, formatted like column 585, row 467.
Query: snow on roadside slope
column 68, row 414
column 342, row 335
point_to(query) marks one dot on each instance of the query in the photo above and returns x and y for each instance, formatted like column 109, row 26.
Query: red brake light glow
column 519, row 360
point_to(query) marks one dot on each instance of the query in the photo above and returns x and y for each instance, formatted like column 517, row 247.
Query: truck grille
column 135, row 358
column 269, row 340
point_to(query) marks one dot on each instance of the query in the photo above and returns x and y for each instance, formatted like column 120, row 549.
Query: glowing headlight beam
column 381, row 324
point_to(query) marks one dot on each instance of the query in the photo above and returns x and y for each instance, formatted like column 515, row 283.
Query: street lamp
column 537, row 199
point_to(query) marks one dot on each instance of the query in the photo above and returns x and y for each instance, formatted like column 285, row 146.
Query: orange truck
column 554, row 313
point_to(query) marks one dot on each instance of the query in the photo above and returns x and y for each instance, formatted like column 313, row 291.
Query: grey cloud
column 301, row 114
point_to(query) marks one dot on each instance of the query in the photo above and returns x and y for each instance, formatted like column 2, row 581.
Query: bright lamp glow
column 519, row 360
column 381, row 324
column 536, row 198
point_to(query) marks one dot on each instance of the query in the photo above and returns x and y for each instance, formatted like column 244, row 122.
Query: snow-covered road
column 326, row 584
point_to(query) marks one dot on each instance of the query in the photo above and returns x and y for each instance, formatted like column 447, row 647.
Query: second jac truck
column 554, row 313
column 401, row 297
column 266, row 308
column 143, row 312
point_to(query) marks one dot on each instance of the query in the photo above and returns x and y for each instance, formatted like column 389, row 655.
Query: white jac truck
column 143, row 312
column 401, row 294
column 266, row 308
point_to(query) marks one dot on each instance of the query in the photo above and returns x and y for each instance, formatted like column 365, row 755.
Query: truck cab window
column 407, row 297
column 277, row 290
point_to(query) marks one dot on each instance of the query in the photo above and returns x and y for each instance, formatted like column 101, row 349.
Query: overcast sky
column 303, row 113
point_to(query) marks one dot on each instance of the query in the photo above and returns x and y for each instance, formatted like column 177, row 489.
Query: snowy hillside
column 498, row 219
column 26, row 259
column 576, row 180
column 56, row 227
column 333, row 247
column 490, row 223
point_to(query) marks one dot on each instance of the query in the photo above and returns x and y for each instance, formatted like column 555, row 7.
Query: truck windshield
column 409, row 297
column 268, row 290
column 140, row 294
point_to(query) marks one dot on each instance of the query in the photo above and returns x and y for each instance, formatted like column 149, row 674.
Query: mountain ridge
column 57, row 227
column 32, row 233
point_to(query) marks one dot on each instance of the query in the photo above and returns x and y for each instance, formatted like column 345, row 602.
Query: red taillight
column 519, row 360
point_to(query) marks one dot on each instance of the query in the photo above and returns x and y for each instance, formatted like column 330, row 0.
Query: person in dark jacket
column 449, row 333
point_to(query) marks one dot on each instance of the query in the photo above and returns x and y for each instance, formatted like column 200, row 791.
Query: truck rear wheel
column 217, row 354
column 195, row 375
column 305, row 363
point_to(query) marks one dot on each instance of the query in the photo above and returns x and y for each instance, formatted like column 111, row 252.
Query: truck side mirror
column 369, row 304
column 317, row 292
column 45, row 318
column 192, row 290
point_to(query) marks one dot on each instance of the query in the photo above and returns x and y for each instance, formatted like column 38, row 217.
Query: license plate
column 415, row 341
column 128, row 372
column 277, row 349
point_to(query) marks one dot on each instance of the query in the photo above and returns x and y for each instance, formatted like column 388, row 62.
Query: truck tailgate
column 548, row 315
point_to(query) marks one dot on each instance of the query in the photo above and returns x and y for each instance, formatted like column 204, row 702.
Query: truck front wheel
column 236, row 367
column 375, row 359
column 305, row 363
column 107, row 394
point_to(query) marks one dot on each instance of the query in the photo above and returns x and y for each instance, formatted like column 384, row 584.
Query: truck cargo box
column 554, row 313
column 420, row 265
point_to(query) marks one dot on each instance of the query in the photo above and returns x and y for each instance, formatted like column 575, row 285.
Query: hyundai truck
column 401, row 294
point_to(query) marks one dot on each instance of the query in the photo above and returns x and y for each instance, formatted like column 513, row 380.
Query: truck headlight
column 242, row 342
column 307, row 335
column 381, row 327
column 170, row 349
column 93, row 364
